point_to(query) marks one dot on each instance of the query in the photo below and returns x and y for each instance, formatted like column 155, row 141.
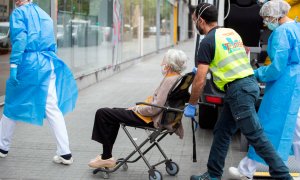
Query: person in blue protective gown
column 40, row 84
column 280, row 105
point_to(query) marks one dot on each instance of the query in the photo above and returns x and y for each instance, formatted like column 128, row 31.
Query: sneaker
column 63, row 160
column 204, row 176
column 234, row 173
column 95, row 159
column 3, row 153
column 98, row 162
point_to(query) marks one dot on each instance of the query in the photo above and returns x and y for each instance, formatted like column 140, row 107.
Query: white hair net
column 275, row 8
column 176, row 59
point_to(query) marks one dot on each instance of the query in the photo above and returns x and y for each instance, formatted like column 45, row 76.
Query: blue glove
column 194, row 70
column 13, row 76
column 190, row 110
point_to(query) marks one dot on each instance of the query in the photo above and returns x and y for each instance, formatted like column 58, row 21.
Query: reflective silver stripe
column 227, row 60
column 217, row 78
column 213, row 69
column 231, row 58
column 237, row 70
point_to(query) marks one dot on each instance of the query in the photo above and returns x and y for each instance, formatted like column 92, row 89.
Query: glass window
column 6, row 7
column 165, row 24
column 149, row 13
column 131, row 27
column 84, row 34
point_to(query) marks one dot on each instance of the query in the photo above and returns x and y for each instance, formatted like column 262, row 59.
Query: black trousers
column 107, row 124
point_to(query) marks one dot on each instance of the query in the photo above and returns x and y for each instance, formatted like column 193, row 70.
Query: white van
column 5, row 45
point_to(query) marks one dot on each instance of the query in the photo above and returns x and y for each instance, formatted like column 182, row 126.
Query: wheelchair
column 172, row 111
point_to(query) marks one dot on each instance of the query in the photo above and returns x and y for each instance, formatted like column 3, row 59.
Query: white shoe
column 2, row 155
column 297, row 178
column 235, row 174
column 60, row 160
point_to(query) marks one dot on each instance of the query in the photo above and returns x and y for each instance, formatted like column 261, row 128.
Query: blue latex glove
column 190, row 110
column 13, row 76
column 194, row 70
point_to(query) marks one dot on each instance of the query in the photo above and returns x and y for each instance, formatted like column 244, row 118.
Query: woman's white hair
column 176, row 60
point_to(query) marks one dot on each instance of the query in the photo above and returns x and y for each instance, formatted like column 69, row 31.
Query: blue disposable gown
column 33, row 46
column 281, row 101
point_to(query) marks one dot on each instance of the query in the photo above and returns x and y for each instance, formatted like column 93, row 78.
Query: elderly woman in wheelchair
column 108, row 120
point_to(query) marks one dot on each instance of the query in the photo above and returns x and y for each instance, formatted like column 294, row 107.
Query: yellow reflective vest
column 231, row 61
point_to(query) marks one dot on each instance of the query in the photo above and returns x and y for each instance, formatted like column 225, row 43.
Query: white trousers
column 54, row 117
column 248, row 166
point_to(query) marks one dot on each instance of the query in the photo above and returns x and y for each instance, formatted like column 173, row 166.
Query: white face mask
column 164, row 70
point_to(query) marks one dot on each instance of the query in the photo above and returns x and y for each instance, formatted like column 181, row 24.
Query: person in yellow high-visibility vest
column 222, row 52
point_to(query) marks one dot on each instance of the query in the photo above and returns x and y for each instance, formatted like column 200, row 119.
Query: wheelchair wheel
column 157, row 176
column 125, row 167
column 105, row 175
column 172, row 169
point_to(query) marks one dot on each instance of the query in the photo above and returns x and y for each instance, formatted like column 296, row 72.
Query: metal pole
column 157, row 25
column 221, row 13
column 53, row 8
column 142, row 29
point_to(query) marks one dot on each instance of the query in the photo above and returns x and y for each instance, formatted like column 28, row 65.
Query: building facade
column 97, row 37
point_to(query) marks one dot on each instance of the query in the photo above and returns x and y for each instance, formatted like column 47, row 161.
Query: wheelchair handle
column 162, row 107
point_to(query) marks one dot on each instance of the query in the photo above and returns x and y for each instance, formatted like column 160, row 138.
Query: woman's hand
column 131, row 108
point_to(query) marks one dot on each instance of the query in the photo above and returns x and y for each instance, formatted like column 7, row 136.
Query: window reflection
column 5, row 45
column 6, row 7
column 149, row 13
column 165, row 24
column 131, row 25
column 84, row 34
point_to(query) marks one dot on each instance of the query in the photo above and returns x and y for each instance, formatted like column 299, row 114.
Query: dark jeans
column 239, row 113
column 107, row 124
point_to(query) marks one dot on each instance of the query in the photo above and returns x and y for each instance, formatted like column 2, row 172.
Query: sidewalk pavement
column 33, row 147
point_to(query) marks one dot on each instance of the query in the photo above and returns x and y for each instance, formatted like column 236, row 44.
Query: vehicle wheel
column 243, row 144
column 207, row 116
column 157, row 176
column 125, row 167
column 173, row 169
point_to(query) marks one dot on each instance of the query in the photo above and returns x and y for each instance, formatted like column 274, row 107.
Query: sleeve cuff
column 13, row 65
column 256, row 74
